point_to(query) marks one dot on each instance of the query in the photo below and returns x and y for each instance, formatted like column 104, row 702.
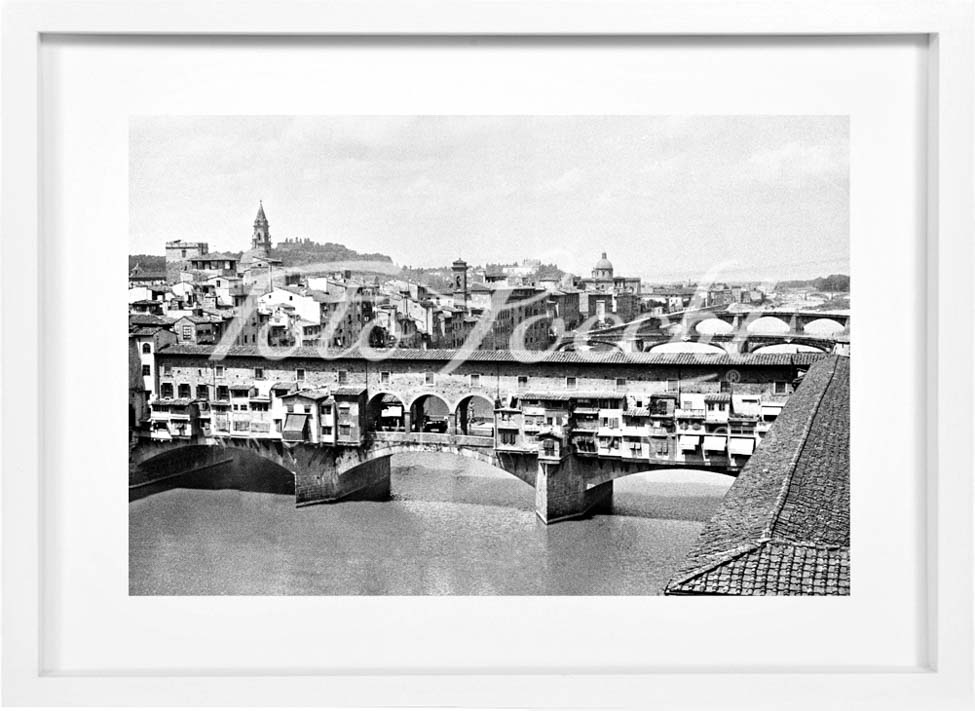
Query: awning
column 689, row 441
column 715, row 444
column 294, row 427
column 741, row 445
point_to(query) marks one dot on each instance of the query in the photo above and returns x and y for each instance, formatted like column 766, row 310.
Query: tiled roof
column 309, row 394
column 150, row 320
column 717, row 397
column 784, row 526
column 349, row 390
column 565, row 395
column 215, row 256
column 526, row 357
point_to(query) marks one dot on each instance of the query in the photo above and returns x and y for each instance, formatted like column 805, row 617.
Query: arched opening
column 475, row 416
column 591, row 347
column 385, row 412
column 453, row 478
column 429, row 413
column 671, row 494
column 824, row 327
column 768, row 324
column 787, row 348
column 687, row 347
column 712, row 326
column 210, row 468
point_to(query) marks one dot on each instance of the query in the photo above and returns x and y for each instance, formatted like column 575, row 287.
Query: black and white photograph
column 489, row 355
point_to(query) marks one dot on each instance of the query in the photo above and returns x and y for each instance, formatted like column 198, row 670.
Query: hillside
column 149, row 263
column 294, row 252
column 834, row 282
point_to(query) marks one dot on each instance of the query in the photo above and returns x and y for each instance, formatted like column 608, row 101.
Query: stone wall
column 408, row 379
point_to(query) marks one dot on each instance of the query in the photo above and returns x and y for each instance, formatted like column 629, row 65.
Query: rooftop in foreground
column 784, row 526
column 445, row 355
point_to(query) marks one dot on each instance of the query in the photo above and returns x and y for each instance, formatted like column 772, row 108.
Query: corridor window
column 673, row 385
column 522, row 381
column 428, row 378
column 218, row 371
column 384, row 377
column 725, row 386
column 621, row 382
column 570, row 382
column 475, row 380
column 781, row 387
column 300, row 374
column 343, row 377
column 259, row 373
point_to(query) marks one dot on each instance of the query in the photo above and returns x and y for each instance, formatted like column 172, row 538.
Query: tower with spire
column 261, row 240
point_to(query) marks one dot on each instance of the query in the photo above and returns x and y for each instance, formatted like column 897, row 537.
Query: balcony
column 585, row 426
column 690, row 426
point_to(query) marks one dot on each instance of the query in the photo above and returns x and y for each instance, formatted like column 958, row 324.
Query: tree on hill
column 149, row 263
column 833, row 282
column 295, row 252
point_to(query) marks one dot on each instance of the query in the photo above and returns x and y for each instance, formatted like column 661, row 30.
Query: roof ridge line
column 794, row 460
column 724, row 557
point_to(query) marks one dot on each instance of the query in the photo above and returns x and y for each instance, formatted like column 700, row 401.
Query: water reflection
column 453, row 527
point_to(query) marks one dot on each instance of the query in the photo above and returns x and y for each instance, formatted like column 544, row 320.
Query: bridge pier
column 561, row 492
column 365, row 482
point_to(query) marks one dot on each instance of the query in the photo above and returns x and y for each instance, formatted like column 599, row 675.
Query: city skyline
column 755, row 197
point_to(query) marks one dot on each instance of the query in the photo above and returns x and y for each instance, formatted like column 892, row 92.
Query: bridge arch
column 768, row 324
column 824, row 327
column 233, row 464
column 687, row 347
column 786, row 348
column 590, row 345
column 429, row 412
column 475, row 415
column 712, row 326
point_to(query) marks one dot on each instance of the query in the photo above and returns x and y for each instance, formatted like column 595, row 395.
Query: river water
column 453, row 527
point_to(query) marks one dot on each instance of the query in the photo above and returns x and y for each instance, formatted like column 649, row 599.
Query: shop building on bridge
column 680, row 408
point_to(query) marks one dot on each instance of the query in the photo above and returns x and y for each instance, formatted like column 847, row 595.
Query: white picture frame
column 945, row 681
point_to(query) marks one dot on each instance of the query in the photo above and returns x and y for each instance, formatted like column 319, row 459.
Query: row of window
column 673, row 385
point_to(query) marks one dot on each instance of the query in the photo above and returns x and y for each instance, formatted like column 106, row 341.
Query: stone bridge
column 570, row 487
column 734, row 332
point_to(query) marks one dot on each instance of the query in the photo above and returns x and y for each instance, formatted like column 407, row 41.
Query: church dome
column 604, row 264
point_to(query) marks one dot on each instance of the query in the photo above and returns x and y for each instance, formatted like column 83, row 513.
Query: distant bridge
column 735, row 332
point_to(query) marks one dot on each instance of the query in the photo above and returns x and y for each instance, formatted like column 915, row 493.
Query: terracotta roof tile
column 784, row 526
column 526, row 357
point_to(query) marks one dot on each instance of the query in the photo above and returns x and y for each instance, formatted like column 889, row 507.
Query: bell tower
column 459, row 284
column 262, row 231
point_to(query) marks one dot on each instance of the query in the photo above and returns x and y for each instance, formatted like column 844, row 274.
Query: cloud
column 564, row 183
column 796, row 161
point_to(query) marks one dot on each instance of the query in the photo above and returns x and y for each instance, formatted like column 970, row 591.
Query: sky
column 668, row 198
